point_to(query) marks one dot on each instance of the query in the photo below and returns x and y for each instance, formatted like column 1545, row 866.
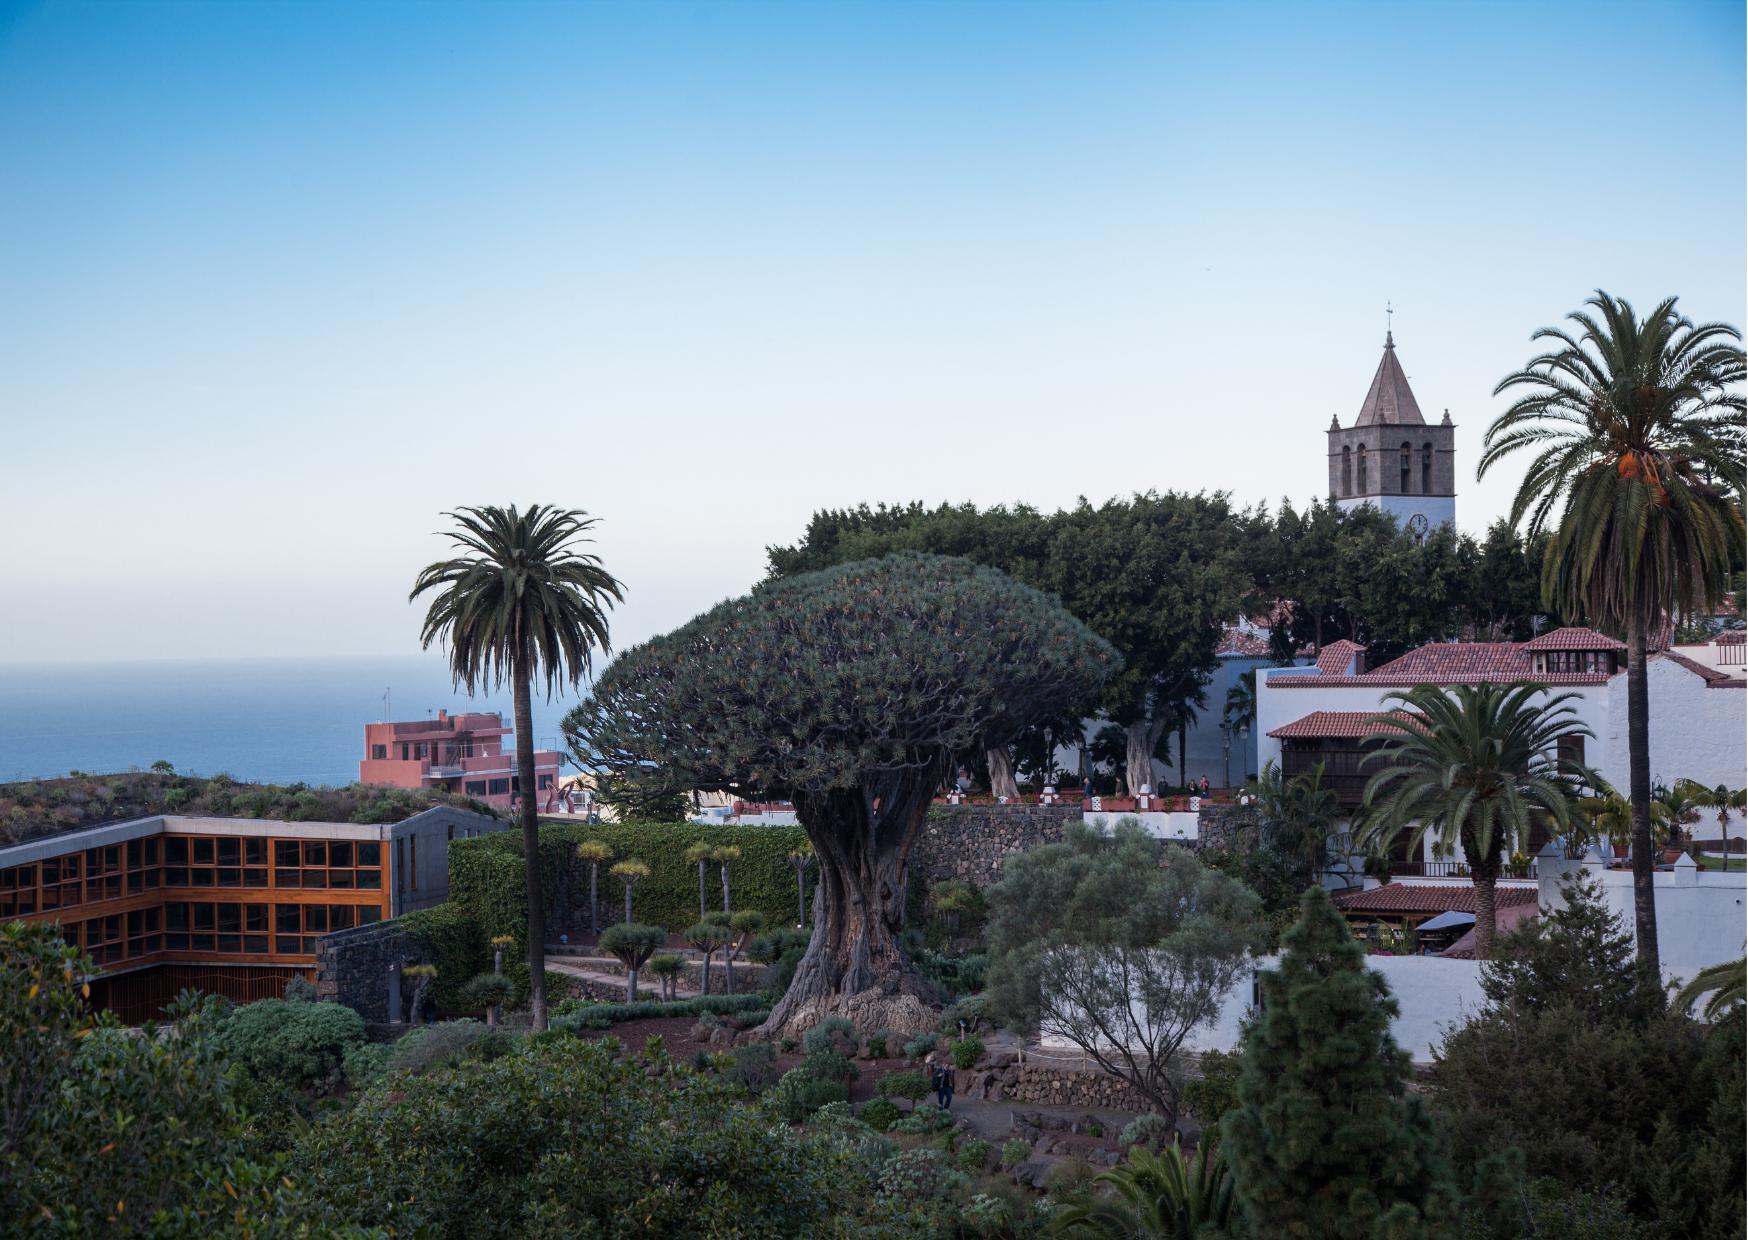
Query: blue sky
column 279, row 283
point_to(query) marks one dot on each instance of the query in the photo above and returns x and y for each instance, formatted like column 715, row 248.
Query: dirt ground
column 676, row 1034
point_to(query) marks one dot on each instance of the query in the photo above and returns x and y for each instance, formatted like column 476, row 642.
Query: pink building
column 459, row 753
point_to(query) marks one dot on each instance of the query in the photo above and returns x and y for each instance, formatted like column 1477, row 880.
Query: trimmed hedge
column 486, row 873
column 571, row 1014
column 451, row 938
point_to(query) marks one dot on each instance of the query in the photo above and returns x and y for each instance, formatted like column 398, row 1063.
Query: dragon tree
column 851, row 692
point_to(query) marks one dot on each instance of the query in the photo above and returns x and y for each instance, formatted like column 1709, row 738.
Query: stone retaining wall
column 1056, row 1087
column 971, row 842
column 353, row 967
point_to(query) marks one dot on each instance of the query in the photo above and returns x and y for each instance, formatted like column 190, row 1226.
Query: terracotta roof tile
column 1341, row 723
column 1437, row 661
column 1698, row 669
column 1243, row 645
column 1429, row 898
column 1731, row 637
column 1335, row 658
column 1574, row 639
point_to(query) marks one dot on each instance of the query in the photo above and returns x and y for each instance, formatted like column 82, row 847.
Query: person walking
column 943, row 1083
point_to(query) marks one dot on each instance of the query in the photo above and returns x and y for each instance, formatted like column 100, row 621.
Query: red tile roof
column 1343, row 723
column 1574, row 639
column 1335, row 658
column 1698, row 669
column 1429, row 898
column 1731, row 637
column 1244, row 645
column 1505, row 920
column 1442, row 660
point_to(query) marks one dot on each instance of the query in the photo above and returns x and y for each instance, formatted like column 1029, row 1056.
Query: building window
column 379, row 752
column 1347, row 471
column 420, row 751
column 497, row 787
column 1407, row 465
column 475, row 787
column 400, row 865
column 543, row 782
column 404, row 754
column 1426, row 469
column 1362, row 469
column 1571, row 749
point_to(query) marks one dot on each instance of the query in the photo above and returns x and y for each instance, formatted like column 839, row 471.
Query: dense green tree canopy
column 849, row 690
column 833, row 679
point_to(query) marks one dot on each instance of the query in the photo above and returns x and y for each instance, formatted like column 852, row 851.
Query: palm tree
column 1610, row 814
column 524, row 603
column 1682, row 811
column 801, row 858
column 1729, row 980
column 1298, row 816
column 700, row 853
column 1723, row 799
column 631, row 873
column 1156, row 1197
column 724, row 857
column 1637, row 427
column 594, row 852
column 1479, row 766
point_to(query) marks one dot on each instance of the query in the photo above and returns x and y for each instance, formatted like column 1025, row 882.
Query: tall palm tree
column 1636, row 426
column 1723, row 798
column 1479, row 766
column 519, row 602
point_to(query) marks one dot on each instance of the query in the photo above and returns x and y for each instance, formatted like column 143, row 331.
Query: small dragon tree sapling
column 850, row 691
column 745, row 924
column 700, row 853
column 594, row 852
column 726, row 856
column 707, row 936
column 632, row 945
column 631, row 873
column 801, row 858
column 668, row 970
column 423, row 975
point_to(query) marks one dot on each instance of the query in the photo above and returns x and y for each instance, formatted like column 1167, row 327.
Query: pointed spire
column 1389, row 402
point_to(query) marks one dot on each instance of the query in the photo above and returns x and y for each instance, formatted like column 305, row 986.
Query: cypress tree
column 1326, row 1141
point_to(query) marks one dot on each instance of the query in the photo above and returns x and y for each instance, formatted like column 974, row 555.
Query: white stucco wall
column 1432, row 995
column 1696, row 733
column 1701, row 917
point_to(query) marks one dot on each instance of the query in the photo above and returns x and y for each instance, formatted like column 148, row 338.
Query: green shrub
column 924, row 1118
column 566, row 1139
column 799, row 1094
column 365, row 1064
column 972, row 1154
column 1150, row 1128
column 818, row 1040
column 1215, row 1092
column 880, row 1114
column 566, row 1014
column 303, row 1045
column 911, row 1085
column 969, row 1009
column 918, row 1176
column 1014, row 1153
column 444, row 1044
column 755, row 1067
column 966, row 1052
column 924, row 1043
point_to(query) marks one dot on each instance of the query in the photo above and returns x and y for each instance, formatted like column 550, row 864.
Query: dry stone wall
column 353, row 966
column 971, row 842
column 1005, row 1079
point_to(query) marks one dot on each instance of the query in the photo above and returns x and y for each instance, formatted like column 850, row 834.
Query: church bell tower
column 1390, row 458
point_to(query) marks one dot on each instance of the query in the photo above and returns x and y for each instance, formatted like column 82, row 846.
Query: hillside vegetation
column 38, row 807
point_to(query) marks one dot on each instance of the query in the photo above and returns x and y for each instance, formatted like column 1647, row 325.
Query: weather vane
column 1388, row 321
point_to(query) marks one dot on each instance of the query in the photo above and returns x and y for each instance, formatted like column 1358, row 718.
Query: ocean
column 272, row 720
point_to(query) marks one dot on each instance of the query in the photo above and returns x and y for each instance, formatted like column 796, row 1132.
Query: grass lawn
column 1719, row 863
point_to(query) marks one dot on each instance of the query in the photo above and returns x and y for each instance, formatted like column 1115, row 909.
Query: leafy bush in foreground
column 568, row 1138
column 304, row 1045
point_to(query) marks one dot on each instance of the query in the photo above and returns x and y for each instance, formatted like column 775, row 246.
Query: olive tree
column 848, row 691
column 1093, row 940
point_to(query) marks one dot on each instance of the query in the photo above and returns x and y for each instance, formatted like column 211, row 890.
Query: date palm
column 520, row 602
column 1723, row 798
column 1636, row 430
column 1477, row 765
